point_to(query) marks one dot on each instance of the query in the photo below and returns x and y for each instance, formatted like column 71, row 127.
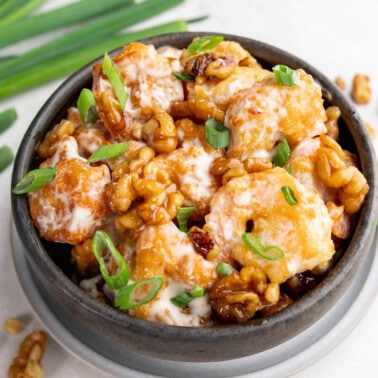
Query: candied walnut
column 30, row 353
column 49, row 145
column 333, row 114
column 237, row 297
column 202, row 242
column 13, row 326
column 84, row 258
column 361, row 89
column 340, row 82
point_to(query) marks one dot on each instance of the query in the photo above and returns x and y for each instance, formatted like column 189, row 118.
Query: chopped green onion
column 86, row 104
column 183, row 76
column 282, row 154
column 108, row 151
column 101, row 241
column 216, row 134
column 289, row 169
column 7, row 118
column 224, row 269
column 183, row 215
column 267, row 252
column 204, row 44
column 34, row 180
column 285, row 75
column 6, row 157
column 197, row 291
column 184, row 298
column 125, row 300
column 115, row 79
column 289, row 195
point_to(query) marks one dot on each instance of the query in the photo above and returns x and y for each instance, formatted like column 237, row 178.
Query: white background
column 336, row 36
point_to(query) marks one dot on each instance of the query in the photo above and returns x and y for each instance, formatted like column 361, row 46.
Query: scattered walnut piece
column 30, row 352
column 340, row 82
column 13, row 326
column 361, row 89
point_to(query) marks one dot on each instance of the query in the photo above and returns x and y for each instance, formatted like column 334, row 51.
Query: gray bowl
column 114, row 334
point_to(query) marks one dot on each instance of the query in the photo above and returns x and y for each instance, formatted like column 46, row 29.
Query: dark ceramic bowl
column 114, row 334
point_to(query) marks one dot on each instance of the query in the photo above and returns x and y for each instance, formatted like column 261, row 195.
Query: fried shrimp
column 164, row 250
column 260, row 116
column 149, row 83
column 256, row 203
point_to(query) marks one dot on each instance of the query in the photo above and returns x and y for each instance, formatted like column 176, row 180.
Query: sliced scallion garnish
column 115, row 79
column 86, row 104
column 100, row 242
column 289, row 195
column 216, row 134
column 184, row 298
column 183, row 215
column 108, row 151
column 6, row 157
column 183, row 76
column 128, row 298
column 285, row 75
column 7, row 118
column 282, row 154
column 204, row 44
column 34, row 180
column 224, row 269
column 270, row 252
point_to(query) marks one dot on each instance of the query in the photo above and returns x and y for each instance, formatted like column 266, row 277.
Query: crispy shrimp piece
column 164, row 250
column 149, row 83
column 262, row 115
column 190, row 170
column 255, row 202
column 72, row 206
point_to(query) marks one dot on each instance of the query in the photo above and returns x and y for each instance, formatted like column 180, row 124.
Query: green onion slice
column 7, row 118
column 216, row 134
column 224, row 269
column 34, row 180
column 183, row 215
column 183, row 76
column 115, row 79
column 128, row 298
column 101, row 241
column 285, row 75
column 289, row 195
column 6, row 157
column 204, row 44
column 267, row 252
column 183, row 299
column 282, row 154
column 108, row 151
column 86, row 104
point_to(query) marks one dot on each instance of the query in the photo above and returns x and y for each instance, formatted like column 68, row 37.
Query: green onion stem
column 14, row 10
column 6, row 157
column 224, row 269
column 216, row 134
column 93, row 32
column 34, row 179
column 108, row 151
column 7, row 118
column 86, row 104
column 57, row 67
column 268, row 252
column 56, row 18
column 183, row 215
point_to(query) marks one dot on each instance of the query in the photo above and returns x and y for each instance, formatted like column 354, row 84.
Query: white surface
column 337, row 37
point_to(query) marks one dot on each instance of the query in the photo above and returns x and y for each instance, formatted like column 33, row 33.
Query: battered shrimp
column 260, row 116
column 72, row 206
column 302, row 231
column 164, row 250
column 149, row 83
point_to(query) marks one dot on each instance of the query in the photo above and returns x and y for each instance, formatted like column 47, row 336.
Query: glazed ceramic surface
column 97, row 324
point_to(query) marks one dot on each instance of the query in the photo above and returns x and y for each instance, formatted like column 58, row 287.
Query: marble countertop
column 337, row 37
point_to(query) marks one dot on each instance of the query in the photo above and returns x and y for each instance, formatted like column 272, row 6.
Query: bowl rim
column 29, row 236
